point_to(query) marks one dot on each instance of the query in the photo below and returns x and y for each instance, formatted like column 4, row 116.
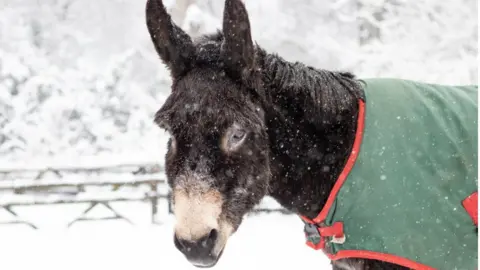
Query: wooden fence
column 54, row 184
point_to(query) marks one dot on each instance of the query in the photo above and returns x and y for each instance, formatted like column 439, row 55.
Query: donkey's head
column 217, row 159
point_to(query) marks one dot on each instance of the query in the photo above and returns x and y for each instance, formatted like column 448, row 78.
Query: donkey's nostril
column 213, row 235
column 209, row 240
column 199, row 249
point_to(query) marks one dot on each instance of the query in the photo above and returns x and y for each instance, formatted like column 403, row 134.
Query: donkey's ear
column 174, row 46
column 238, row 50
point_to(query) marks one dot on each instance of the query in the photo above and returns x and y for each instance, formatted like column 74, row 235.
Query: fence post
column 169, row 198
column 154, row 202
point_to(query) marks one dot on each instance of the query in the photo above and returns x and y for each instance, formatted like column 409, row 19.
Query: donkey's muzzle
column 199, row 252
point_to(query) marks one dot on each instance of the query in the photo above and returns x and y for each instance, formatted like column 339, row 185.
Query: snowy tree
column 82, row 78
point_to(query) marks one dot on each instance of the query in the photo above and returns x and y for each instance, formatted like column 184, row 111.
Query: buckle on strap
column 314, row 239
column 316, row 234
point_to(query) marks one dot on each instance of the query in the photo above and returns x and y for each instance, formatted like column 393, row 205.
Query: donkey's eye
column 234, row 138
column 237, row 135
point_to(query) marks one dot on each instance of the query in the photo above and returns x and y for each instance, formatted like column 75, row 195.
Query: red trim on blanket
column 471, row 206
column 365, row 254
column 348, row 166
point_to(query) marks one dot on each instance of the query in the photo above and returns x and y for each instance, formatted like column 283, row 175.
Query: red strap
column 335, row 230
column 471, row 205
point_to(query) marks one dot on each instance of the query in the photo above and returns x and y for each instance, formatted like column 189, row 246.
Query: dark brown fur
column 300, row 121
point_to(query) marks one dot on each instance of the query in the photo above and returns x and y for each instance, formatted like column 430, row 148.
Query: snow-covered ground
column 266, row 241
column 262, row 240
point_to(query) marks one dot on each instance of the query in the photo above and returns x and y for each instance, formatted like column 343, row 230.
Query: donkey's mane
column 322, row 92
column 208, row 50
column 329, row 89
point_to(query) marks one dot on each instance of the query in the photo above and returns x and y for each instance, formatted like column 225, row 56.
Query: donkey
column 245, row 123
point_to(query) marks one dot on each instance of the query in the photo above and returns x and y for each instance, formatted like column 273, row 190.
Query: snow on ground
column 265, row 241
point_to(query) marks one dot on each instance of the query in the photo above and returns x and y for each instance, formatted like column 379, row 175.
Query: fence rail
column 104, row 180
column 30, row 185
column 86, row 165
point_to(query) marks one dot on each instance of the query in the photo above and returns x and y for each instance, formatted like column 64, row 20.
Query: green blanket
column 417, row 163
